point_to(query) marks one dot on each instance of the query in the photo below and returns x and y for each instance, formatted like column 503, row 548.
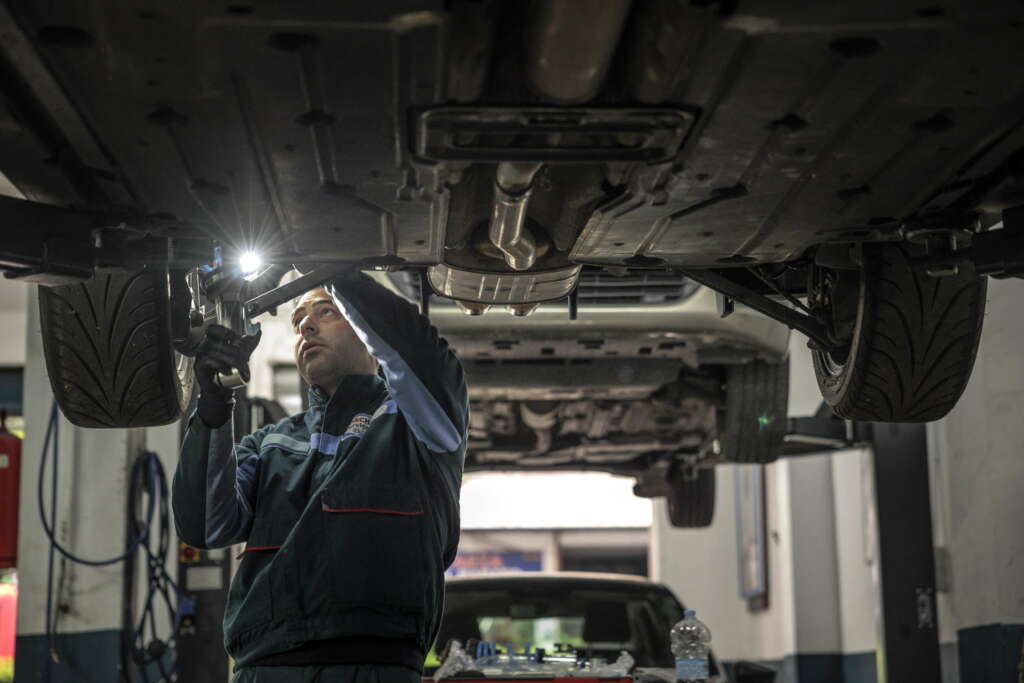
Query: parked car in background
column 596, row 614
column 647, row 380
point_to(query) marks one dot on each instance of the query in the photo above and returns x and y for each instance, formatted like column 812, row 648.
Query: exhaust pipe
column 541, row 421
column 513, row 184
column 472, row 307
column 570, row 45
column 522, row 310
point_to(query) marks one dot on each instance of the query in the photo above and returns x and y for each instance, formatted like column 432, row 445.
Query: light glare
column 250, row 262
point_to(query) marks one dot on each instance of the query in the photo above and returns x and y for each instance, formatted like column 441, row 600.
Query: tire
column 914, row 340
column 108, row 349
column 691, row 502
column 753, row 423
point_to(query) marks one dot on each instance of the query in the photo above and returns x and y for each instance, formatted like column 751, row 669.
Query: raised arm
column 423, row 374
column 214, row 489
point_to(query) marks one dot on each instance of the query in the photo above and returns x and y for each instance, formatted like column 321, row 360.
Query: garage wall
column 700, row 565
column 815, row 587
column 80, row 512
column 12, row 348
column 827, row 597
column 13, row 320
column 856, row 549
column 550, row 543
column 821, row 615
column 551, row 500
column 275, row 348
column 977, row 468
column 92, row 495
column 821, row 620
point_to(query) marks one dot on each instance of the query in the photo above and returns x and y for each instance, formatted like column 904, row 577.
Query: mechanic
column 349, row 510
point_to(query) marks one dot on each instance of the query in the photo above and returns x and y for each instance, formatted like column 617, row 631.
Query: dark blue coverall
column 349, row 510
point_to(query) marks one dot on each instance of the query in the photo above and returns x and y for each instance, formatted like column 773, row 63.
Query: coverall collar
column 352, row 392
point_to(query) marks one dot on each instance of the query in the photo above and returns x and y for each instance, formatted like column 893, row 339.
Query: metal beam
column 906, row 554
column 715, row 280
column 270, row 300
column 823, row 432
column 39, row 238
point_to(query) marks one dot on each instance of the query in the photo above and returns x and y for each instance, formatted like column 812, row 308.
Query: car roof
column 581, row 579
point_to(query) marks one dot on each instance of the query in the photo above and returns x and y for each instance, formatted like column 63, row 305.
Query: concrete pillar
column 13, row 320
column 815, row 567
column 856, row 560
column 835, row 596
column 977, row 478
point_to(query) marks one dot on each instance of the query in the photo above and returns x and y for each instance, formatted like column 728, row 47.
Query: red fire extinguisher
column 10, row 478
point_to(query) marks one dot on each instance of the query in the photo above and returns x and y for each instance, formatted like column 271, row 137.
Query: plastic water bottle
column 691, row 641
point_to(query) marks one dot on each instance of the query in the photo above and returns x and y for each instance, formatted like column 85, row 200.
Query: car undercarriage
column 853, row 171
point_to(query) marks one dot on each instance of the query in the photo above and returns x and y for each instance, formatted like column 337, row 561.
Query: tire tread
column 914, row 330
column 754, row 390
column 108, row 351
column 691, row 503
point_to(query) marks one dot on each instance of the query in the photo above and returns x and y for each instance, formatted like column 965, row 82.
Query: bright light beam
column 249, row 262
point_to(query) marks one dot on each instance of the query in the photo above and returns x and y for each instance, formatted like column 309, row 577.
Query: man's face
column 326, row 347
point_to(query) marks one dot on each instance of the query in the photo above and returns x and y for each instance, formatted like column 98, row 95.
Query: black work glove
column 221, row 351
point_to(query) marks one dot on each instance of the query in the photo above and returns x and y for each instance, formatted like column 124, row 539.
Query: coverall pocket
column 377, row 536
column 251, row 602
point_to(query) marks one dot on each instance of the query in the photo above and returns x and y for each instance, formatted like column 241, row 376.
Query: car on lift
column 638, row 375
column 594, row 615
column 851, row 170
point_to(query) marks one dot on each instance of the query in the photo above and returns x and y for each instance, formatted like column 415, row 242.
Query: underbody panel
column 374, row 130
column 580, row 163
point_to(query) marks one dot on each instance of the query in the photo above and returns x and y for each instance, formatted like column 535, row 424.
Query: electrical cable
column 51, row 654
column 48, row 525
column 147, row 476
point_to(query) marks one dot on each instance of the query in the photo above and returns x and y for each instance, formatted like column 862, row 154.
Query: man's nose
column 307, row 326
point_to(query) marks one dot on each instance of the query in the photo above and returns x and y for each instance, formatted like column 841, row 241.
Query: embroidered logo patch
column 359, row 424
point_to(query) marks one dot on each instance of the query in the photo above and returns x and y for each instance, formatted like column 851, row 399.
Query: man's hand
column 221, row 352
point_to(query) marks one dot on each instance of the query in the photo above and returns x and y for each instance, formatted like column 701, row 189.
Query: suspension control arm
column 796, row 320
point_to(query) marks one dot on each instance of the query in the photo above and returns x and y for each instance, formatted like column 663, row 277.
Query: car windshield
column 598, row 620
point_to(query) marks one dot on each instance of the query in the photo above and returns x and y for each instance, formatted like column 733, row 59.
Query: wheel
column 910, row 339
column 109, row 352
column 753, row 423
column 691, row 502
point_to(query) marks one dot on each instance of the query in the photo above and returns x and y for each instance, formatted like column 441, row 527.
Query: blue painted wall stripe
column 86, row 656
column 851, row 667
column 990, row 652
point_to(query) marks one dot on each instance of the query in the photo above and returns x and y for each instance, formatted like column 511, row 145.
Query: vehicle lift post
column 906, row 551
column 909, row 634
